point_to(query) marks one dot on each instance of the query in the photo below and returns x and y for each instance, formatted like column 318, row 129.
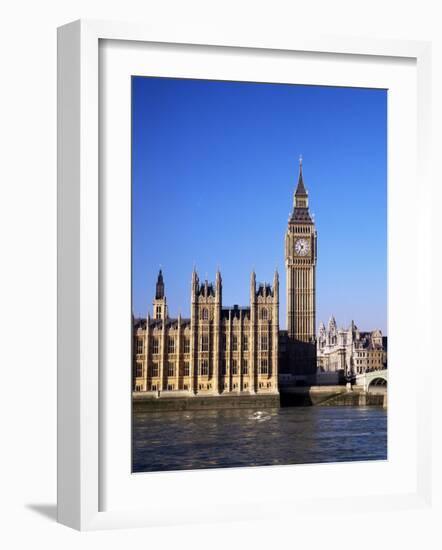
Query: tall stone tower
column 300, row 260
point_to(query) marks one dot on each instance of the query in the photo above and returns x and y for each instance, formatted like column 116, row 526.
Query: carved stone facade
column 350, row 352
column 219, row 350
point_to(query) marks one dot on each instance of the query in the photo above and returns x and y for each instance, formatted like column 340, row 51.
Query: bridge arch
column 378, row 382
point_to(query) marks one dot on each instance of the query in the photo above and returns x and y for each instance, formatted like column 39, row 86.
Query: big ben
column 300, row 260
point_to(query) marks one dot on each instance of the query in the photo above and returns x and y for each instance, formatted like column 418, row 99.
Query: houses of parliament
column 235, row 350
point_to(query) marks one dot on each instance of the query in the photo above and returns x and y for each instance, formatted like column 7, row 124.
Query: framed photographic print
column 237, row 232
column 218, row 385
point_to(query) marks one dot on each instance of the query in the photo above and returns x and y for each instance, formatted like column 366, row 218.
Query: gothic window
column 171, row 344
column 264, row 366
column 205, row 314
column 264, row 314
column 186, row 368
column 170, row 387
column 245, row 343
column 140, row 345
column 234, row 343
column 158, row 312
column 204, row 367
column 155, row 345
column 264, row 342
column 234, row 366
column 205, row 342
column 245, row 366
column 186, row 345
column 154, row 370
column 138, row 388
column 170, row 369
column 139, row 369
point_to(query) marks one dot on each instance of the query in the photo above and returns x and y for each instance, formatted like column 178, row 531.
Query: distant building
column 218, row 350
column 348, row 352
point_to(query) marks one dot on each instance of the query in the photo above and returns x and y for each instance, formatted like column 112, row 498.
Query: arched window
column 205, row 314
column 264, row 314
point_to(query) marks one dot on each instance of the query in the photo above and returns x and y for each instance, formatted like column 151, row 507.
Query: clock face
column 302, row 247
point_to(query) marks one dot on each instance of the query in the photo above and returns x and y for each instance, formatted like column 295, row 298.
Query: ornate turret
column 276, row 284
column 218, row 286
column 252, row 287
column 195, row 284
column 322, row 335
column 159, row 293
column 160, row 303
column 332, row 331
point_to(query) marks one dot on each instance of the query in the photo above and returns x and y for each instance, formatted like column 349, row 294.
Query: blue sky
column 214, row 167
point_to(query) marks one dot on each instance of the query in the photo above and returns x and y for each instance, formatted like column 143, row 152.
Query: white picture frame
column 79, row 267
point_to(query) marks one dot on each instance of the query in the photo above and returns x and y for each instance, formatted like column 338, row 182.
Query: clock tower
column 300, row 261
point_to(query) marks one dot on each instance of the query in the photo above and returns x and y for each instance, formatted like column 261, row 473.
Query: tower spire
column 159, row 292
column 159, row 303
column 300, row 189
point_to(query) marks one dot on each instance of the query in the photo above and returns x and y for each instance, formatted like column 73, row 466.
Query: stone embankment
column 324, row 396
column 148, row 403
column 331, row 396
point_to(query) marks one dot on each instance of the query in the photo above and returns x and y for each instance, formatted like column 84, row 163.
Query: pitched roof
column 300, row 212
column 234, row 311
column 169, row 322
column 301, row 215
column 264, row 290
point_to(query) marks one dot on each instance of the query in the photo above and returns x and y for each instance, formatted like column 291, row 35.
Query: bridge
column 375, row 380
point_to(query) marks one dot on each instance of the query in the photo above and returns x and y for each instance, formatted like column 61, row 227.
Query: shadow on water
column 305, row 395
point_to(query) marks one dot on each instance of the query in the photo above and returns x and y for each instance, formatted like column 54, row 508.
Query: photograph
column 259, row 274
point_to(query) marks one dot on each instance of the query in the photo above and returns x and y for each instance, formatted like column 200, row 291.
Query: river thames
column 187, row 440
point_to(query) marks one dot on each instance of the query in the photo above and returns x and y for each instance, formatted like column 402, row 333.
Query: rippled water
column 225, row 438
